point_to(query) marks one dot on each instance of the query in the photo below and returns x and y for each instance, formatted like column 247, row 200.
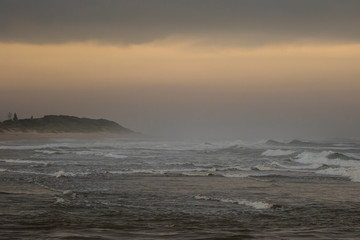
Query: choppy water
column 153, row 189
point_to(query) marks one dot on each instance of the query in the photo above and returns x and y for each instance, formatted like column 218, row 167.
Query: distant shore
column 15, row 135
column 62, row 126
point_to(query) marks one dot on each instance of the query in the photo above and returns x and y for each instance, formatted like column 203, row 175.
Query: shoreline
column 13, row 136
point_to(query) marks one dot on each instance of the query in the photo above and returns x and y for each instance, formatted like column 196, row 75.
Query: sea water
column 157, row 189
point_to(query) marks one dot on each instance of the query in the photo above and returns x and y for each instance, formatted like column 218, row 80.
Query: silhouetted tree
column 32, row 117
column 15, row 117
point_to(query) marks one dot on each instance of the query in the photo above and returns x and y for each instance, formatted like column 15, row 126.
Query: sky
column 255, row 69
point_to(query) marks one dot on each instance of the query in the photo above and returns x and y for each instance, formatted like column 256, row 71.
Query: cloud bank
column 232, row 22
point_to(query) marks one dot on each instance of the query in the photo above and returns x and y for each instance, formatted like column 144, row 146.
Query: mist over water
column 175, row 189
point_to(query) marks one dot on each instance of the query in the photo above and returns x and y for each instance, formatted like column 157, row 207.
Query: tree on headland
column 15, row 117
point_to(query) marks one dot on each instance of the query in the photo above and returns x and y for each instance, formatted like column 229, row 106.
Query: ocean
column 169, row 189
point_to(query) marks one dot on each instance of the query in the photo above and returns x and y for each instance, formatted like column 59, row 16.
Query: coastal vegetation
column 61, row 124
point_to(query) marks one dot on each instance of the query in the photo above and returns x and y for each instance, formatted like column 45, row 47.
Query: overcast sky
column 229, row 69
column 134, row 22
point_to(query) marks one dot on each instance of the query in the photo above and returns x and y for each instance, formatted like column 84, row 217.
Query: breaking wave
column 273, row 142
column 277, row 152
column 261, row 167
column 352, row 173
column 260, row 205
column 294, row 142
column 328, row 158
column 303, row 167
column 338, row 164
column 297, row 142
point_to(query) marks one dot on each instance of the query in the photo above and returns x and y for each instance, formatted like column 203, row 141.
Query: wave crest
column 326, row 157
column 277, row 152
column 351, row 173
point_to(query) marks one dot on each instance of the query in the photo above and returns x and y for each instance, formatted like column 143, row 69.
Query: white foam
column 257, row 204
column 260, row 205
column 46, row 152
column 23, row 161
column 103, row 154
column 202, row 197
column 263, row 168
column 277, row 152
column 303, row 167
column 60, row 200
column 322, row 158
column 3, row 170
column 234, row 168
column 67, row 192
column 61, row 174
column 352, row 173
column 184, row 172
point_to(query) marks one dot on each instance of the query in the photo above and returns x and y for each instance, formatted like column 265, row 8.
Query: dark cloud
column 135, row 21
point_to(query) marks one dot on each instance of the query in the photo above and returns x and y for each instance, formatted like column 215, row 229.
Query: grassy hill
column 63, row 124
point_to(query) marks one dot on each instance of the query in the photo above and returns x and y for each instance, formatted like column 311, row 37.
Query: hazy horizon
column 192, row 69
